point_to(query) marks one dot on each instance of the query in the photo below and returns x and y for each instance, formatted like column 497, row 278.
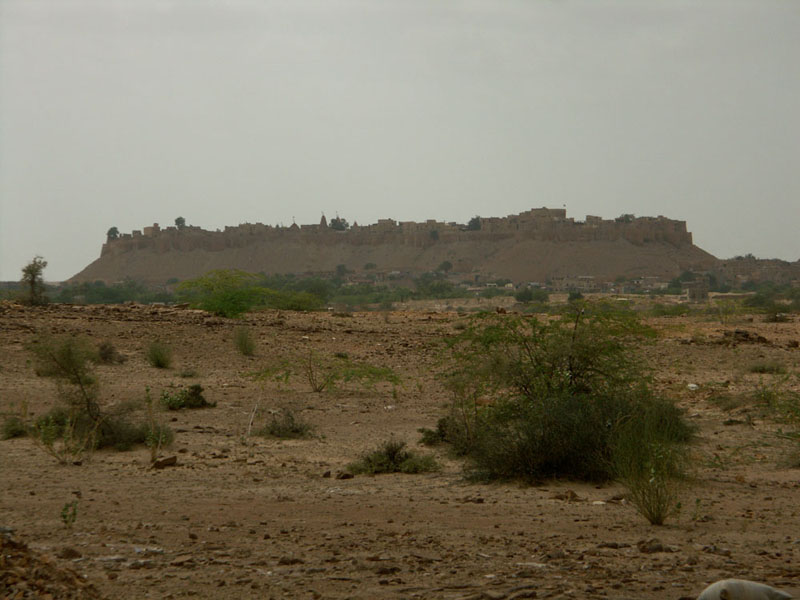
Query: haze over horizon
column 132, row 112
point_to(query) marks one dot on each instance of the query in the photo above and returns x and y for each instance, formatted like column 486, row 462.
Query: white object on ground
column 740, row 589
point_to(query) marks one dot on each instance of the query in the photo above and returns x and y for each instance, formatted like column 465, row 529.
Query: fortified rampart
column 540, row 224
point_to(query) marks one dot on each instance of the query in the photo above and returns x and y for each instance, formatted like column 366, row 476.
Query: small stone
column 182, row 560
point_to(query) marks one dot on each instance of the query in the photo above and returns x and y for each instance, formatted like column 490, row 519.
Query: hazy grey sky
column 128, row 112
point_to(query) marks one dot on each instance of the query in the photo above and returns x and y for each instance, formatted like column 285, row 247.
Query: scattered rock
column 169, row 461
column 28, row 574
column 567, row 496
column 653, row 545
column 68, row 553
column 183, row 560
column 613, row 545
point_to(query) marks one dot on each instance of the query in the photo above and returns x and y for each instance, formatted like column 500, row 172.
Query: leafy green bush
column 286, row 425
column 191, row 397
column 244, row 342
column 224, row 292
column 392, row 457
column 159, row 354
column 540, row 399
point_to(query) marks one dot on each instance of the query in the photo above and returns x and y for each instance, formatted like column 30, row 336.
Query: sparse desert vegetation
column 554, row 446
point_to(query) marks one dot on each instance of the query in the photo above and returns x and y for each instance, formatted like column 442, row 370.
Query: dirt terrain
column 249, row 517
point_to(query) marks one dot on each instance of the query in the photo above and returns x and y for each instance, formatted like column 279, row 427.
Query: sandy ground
column 247, row 517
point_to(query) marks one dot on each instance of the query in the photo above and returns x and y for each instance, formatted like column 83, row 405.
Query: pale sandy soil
column 248, row 517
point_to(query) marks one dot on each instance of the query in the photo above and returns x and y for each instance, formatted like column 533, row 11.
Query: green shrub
column 68, row 360
column 392, row 457
column 191, row 397
column 224, row 292
column 773, row 368
column 669, row 310
column 540, row 399
column 121, row 434
column 159, row 354
column 528, row 294
column 435, row 437
column 244, row 342
column 33, row 282
column 286, row 425
column 14, row 427
column 653, row 476
column 66, row 434
column 327, row 372
column 77, row 426
column 115, row 431
column 649, row 457
column 290, row 300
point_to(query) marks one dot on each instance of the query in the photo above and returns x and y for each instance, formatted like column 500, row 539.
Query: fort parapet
column 541, row 224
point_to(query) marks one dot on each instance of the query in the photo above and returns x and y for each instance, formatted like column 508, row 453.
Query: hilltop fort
column 535, row 245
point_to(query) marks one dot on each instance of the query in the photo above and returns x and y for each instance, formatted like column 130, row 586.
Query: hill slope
column 533, row 246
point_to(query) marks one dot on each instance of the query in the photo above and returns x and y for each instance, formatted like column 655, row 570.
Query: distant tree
column 339, row 224
column 525, row 295
column 33, row 282
column 434, row 234
column 180, row 222
column 445, row 266
column 341, row 270
column 474, row 224
column 625, row 218
column 112, row 233
column 369, row 266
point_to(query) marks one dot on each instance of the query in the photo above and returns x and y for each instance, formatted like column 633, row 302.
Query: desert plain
column 244, row 516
